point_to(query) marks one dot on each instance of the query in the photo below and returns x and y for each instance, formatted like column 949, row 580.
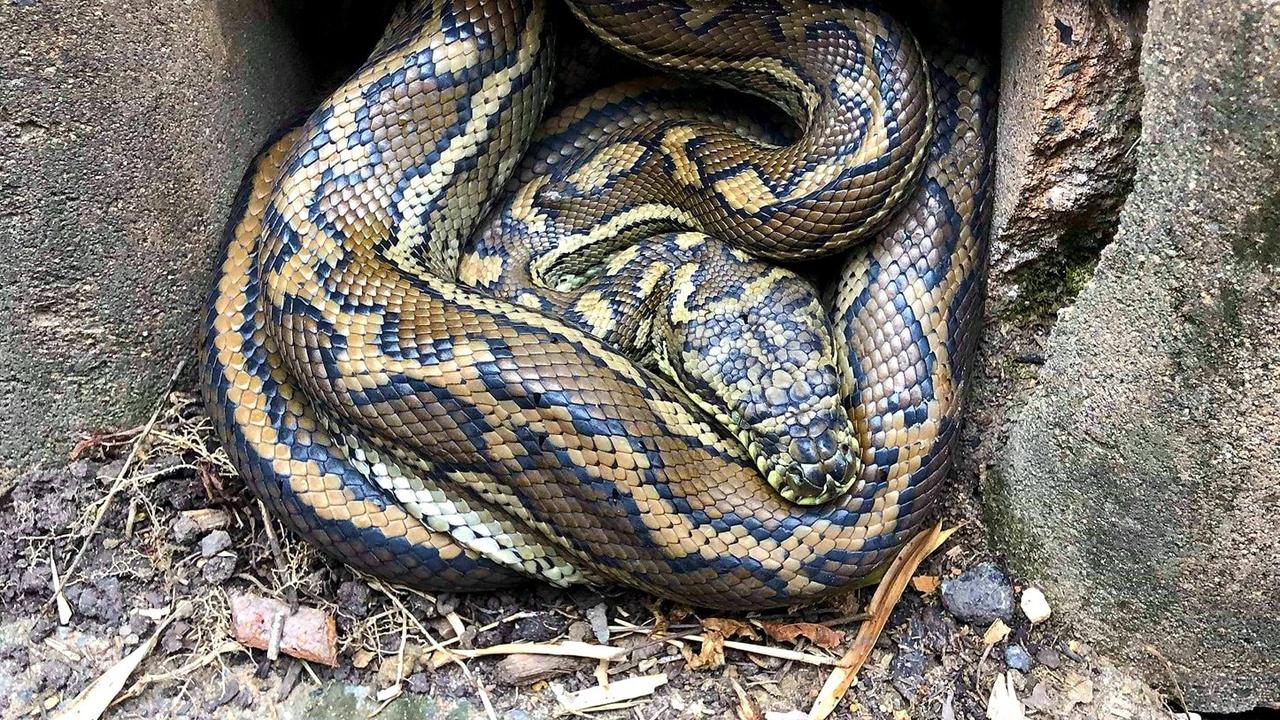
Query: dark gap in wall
column 334, row 36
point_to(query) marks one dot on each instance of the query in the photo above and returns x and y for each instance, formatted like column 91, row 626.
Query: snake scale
column 458, row 345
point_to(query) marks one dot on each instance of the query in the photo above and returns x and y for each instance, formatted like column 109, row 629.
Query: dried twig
column 480, row 689
column 119, row 481
column 895, row 580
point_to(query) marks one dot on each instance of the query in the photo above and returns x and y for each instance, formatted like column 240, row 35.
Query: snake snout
column 822, row 467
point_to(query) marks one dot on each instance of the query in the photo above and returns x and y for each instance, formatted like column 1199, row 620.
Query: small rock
column 353, row 599
column 907, row 670
column 184, row 531
column 102, row 600
column 171, row 640
column 934, row 629
column 191, row 524
column 1017, row 658
column 578, row 631
column 219, row 569
column 598, row 616
column 419, row 683
column 140, row 624
column 53, row 675
column 42, row 629
column 1049, row 658
column 83, row 469
column 389, row 671
column 493, row 636
column 516, row 714
column 229, row 692
column 14, row 659
column 214, row 543
column 35, row 580
column 446, row 603
column 111, row 469
column 1035, row 606
column 981, row 595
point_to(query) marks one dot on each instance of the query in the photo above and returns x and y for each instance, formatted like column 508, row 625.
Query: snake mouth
column 817, row 483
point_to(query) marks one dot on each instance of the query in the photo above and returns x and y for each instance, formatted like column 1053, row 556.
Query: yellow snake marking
column 442, row 176
column 541, row 270
column 605, row 165
column 673, row 146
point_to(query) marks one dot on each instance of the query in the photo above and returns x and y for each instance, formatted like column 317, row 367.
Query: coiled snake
column 403, row 356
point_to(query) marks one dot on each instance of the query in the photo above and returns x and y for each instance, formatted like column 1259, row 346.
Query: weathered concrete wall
column 124, row 129
column 1139, row 482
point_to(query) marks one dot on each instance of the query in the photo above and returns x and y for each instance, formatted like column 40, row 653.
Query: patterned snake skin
column 403, row 350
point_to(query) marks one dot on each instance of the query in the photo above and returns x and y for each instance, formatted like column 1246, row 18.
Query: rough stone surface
column 1138, row 485
column 980, row 595
column 1069, row 102
column 124, row 130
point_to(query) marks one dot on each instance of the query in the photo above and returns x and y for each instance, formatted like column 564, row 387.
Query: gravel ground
column 148, row 554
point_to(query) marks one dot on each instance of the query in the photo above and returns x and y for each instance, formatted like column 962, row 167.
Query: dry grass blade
column 59, row 597
column 451, row 654
column 883, row 601
column 600, row 697
column 747, row 708
column 568, row 648
column 94, row 700
column 770, row 651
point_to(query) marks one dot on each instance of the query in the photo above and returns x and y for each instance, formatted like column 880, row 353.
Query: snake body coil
column 465, row 432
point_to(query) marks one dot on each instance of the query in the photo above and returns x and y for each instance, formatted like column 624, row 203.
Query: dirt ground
column 149, row 553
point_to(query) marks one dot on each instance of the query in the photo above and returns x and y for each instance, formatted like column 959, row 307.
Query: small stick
column 480, row 690
column 120, row 476
column 277, row 556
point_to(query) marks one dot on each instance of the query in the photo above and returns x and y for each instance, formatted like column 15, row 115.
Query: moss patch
column 1049, row 283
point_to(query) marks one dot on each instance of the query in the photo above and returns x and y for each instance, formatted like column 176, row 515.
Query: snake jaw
column 814, row 483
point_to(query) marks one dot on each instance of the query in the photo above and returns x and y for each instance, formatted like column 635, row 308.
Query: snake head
column 758, row 356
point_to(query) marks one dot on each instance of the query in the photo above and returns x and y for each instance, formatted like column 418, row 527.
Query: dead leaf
column 886, row 596
column 1003, row 703
column 996, row 633
column 710, row 653
column 729, row 628
column 714, row 632
column 747, row 708
column 925, row 584
column 820, row 635
column 1039, row 700
column 1079, row 690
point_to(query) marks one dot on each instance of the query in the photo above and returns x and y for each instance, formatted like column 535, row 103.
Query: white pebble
column 1035, row 606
